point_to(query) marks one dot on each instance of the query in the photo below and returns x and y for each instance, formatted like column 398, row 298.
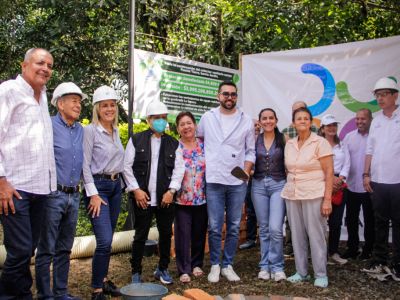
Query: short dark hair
column 184, row 114
column 368, row 111
column 302, row 109
column 226, row 83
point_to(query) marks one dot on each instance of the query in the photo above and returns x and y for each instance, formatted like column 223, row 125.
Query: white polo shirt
column 384, row 146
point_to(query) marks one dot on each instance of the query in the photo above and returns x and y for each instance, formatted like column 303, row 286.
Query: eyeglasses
column 382, row 94
column 226, row 95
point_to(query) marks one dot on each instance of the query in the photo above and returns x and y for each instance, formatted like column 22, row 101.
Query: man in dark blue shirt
column 61, row 208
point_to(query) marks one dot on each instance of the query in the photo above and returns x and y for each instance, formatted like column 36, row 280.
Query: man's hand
column 337, row 184
column 167, row 199
column 7, row 192
column 367, row 184
column 141, row 198
column 94, row 206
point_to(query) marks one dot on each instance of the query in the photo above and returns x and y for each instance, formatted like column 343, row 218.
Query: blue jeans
column 56, row 240
column 104, row 226
column 21, row 235
column 270, row 211
column 219, row 198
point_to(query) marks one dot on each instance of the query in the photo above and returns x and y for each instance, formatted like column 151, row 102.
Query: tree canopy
column 89, row 38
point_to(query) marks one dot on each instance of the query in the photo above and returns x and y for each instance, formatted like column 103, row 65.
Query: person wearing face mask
column 153, row 171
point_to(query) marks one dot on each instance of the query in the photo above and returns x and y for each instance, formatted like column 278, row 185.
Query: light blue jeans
column 219, row 198
column 270, row 212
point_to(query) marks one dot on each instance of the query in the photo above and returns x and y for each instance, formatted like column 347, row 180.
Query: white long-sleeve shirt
column 354, row 145
column 226, row 149
column 26, row 139
column 177, row 173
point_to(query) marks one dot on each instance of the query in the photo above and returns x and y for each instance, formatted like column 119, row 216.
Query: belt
column 113, row 177
column 67, row 189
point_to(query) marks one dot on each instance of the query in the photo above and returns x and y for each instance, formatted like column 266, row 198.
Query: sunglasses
column 226, row 95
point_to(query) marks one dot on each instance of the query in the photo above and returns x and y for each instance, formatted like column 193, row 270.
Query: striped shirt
column 101, row 155
column 26, row 138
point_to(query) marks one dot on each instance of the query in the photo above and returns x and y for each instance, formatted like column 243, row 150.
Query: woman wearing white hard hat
column 102, row 170
column 329, row 129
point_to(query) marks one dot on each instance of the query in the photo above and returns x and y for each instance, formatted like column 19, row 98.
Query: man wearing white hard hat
column 382, row 177
column 27, row 168
column 103, row 163
column 153, row 169
column 61, row 207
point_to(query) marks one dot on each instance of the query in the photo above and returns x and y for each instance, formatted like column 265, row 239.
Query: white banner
column 336, row 79
column 183, row 85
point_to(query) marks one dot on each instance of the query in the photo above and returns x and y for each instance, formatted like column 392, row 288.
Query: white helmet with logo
column 386, row 83
column 66, row 88
column 156, row 108
column 104, row 93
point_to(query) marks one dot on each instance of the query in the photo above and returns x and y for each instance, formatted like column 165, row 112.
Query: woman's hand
column 167, row 199
column 141, row 198
column 95, row 205
column 326, row 207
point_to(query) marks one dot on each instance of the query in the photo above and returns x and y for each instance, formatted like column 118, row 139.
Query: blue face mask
column 159, row 125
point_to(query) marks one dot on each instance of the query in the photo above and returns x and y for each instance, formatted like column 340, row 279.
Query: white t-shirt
column 227, row 123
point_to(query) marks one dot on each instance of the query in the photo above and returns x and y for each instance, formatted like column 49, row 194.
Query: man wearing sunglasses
column 229, row 142
column 381, row 177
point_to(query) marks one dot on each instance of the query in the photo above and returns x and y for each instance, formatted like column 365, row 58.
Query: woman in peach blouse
column 307, row 193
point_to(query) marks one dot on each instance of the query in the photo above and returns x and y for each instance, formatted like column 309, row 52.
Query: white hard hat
column 328, row 119
column 386, row 83
column 66, row 88
column 156, row 108
column 104, row 93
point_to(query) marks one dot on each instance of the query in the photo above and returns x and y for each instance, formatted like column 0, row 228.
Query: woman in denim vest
column 268, row 181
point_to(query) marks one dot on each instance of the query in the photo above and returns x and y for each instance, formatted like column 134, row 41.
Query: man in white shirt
column 229, row 142
column 153, row 171
column 355, row 144
column 27, row 168
column 382, row 177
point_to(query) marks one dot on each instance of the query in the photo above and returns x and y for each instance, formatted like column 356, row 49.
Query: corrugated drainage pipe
column 84, row 246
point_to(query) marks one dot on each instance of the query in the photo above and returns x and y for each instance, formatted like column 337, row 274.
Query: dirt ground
column 345, row 282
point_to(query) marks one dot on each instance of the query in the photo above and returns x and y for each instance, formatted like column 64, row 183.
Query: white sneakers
column 264, row 275
column 229, row 274
column 277, row 276
column 213, row 276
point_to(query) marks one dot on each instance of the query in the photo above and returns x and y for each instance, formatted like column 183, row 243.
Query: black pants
column 353, row 205
column 335, row 224
column 386, row 205
column 190, row 236
column 143, row 218
column 251, row 219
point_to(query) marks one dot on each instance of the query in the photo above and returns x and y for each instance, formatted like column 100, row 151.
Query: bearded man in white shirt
column 229, row 142
column 27, row 168
column 382, row 177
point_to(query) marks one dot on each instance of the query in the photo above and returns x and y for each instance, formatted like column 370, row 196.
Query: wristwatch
column 172, row 191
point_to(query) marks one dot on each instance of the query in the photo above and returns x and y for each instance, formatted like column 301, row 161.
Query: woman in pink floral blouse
column 191, row 210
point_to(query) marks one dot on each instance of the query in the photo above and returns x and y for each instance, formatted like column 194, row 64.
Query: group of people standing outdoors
column 310, row 178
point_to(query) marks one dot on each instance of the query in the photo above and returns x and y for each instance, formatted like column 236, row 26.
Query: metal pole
column 130, row 219
column 131, row 79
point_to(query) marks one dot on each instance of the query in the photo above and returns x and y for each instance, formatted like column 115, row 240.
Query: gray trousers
column 308, row 227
